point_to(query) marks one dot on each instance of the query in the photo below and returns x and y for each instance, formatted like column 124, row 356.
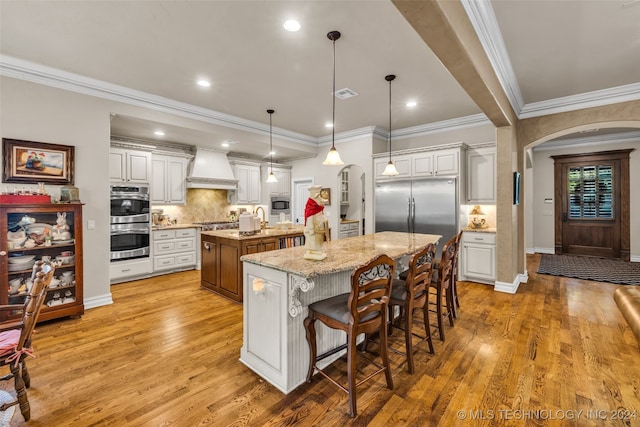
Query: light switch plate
column 91, row 224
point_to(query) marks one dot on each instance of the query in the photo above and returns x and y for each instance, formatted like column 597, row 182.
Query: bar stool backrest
column 370, row 289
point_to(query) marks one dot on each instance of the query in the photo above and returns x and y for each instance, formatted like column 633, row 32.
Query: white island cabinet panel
column 265, row 320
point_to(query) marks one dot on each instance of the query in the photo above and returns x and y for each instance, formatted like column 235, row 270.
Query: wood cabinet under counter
column 221, row 251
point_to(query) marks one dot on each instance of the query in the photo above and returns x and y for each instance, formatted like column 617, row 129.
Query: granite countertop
column 175, row 226
column 480, row 230
column 267, row 232
column 343, row 254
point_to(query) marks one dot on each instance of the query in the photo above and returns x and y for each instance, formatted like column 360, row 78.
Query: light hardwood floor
column 166, row 354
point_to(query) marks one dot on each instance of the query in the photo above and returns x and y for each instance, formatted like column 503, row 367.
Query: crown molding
column 597, row 98
column 599, row 140
column 484, row 22
column 453, row 145
column 26, row 70
column 350, row 135
column 441, row 126
column 155, row 146
column 132, row 143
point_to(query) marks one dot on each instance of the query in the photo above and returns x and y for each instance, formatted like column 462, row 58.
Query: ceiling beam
column 447, row 30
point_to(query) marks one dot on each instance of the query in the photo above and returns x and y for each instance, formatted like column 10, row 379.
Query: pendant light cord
column 390, row 78
column 390, row 119
column 271, row 138
column 333, row 96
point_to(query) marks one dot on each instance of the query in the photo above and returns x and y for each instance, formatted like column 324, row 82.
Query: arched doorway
column 351, row 197
column 543, row 199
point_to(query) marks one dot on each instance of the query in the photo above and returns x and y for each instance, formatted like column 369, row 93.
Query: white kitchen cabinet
column 344, row 187
column 249, row 183
column 477, row 258
column 349, row 229
column 129, row 269
column 402, row 162
column 174, row 249
column 421, row 164
column 283, row 186
column 481, row 175
column 129, row 166
column 446, row 162
column 168, row 179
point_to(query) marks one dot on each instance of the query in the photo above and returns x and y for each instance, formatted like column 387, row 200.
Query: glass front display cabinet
column 32, row 232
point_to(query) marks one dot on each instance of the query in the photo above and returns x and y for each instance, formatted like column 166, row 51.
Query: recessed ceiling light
column 328, row 125
column 225, row 144
column 204, row 83
column 291, row 25
column 411, row 104
column 159, row 133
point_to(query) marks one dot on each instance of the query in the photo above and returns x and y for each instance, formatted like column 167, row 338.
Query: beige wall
column 542, row 215
column 40, row 113
column 469, row 135
column 358, row 152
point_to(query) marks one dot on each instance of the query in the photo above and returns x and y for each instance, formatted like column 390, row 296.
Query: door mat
column 591, row 268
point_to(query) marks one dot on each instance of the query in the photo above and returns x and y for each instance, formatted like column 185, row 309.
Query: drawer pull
column 478, row 238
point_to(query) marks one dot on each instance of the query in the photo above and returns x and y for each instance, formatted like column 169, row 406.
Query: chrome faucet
column 263, row 223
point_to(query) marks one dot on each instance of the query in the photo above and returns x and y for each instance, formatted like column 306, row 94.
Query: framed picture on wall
column 516, row 188
column 325, row 193
column 32, row 162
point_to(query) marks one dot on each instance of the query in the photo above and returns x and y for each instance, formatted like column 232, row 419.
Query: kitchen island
column 280, row 285
column 221, row 269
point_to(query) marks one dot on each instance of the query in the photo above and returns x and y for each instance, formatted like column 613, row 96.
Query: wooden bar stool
column 363, row 310
column 413, row 294
column 454, row 277
column 441, row 297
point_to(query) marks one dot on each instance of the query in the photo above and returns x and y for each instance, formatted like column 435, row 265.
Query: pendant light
column 390, row 170
column 333, row 158
column 271, row 177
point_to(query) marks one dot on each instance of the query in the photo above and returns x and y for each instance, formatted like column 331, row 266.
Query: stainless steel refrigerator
column 428, row 205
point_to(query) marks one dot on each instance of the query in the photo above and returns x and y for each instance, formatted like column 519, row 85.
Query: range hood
column 211, row 169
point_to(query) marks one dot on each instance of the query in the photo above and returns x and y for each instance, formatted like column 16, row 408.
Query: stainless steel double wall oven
column 130, row 222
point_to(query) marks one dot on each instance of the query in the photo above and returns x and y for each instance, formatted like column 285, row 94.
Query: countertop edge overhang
column 480, row 230
column 234, row 234
column 343, row 254
column 175, row 226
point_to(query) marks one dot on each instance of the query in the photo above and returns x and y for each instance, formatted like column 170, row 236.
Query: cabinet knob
column 3, row 253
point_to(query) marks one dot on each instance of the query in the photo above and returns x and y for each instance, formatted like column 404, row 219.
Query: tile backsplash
column 202, row 205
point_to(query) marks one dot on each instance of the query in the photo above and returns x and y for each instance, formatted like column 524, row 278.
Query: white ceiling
column 554, row 53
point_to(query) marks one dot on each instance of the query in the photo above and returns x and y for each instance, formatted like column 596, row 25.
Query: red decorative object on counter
column 25, row 198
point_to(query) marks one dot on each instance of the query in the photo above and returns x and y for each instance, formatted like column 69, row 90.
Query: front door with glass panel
column 590, row 205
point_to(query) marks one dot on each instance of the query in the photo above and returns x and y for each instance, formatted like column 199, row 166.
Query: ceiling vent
column 345, row 93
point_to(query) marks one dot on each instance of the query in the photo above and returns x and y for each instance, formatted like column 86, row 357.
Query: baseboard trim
column 544, row 250
column 635, row 258
column 98, row 301
column 511, row 288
